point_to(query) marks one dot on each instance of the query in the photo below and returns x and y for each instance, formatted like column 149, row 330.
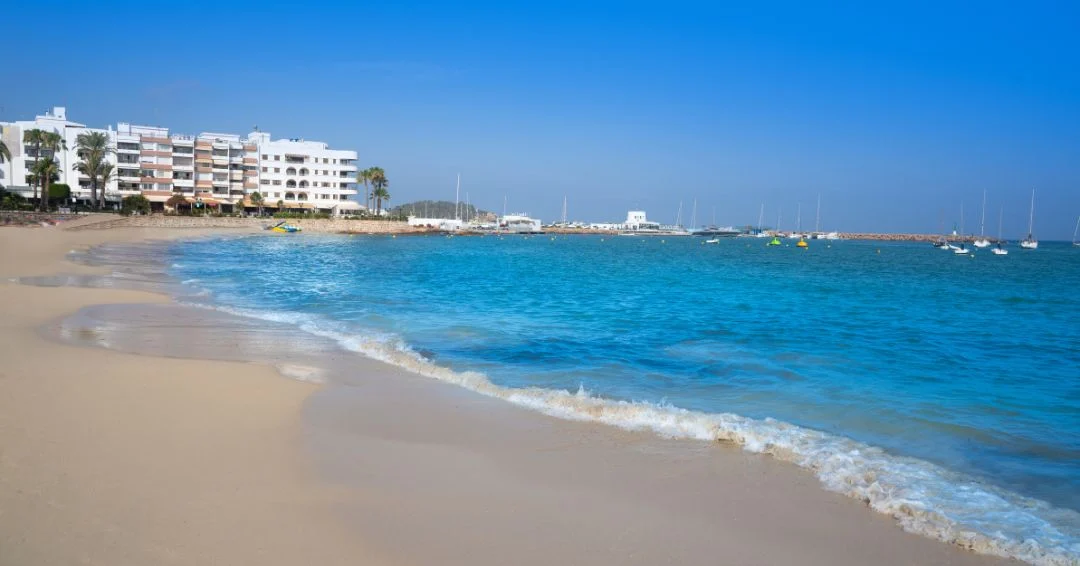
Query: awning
column 348, row 205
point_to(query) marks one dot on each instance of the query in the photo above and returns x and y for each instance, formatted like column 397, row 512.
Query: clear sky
column 894, row 114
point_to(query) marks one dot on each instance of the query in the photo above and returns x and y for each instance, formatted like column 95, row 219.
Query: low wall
column 315, row 225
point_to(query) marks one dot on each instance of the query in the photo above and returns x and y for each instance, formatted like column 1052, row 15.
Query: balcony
column 184, row 183
column 155, row 139
column 203, row 184
column 157, row 166
column 155, row 153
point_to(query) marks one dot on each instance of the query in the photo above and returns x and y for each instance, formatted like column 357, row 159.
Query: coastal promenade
column 311, row 225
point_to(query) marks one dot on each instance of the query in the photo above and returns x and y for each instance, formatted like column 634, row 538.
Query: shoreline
column 618, row 470
column 104, row 221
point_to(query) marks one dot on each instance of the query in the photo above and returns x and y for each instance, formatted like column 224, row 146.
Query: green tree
column 46, row 170
column 364, row 177
column 379, row 192
column 374, row 173
column 281, row 206
column 105, row 175
column 93, row 149
column 59, row 192
column 48, row 141
column 134, row 204
column 5, row 153
column 257, row 200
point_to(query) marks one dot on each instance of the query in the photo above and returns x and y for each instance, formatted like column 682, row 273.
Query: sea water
column 943, row 390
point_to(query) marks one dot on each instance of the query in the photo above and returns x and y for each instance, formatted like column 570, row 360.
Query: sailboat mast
column 678, row 215
column 693, row 216
column 798, row 218
column 961, row 220
column 761, row 217
column 982, row 221
column 564, row 209
column 779, row 214
column 457, row 195
column 1031, row 217
column 1076, row 230
column 817, row 218
column 1001, row 214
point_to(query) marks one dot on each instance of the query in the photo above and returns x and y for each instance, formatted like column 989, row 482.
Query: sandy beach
column 110, row 457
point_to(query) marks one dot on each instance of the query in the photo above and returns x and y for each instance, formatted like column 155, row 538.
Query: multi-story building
column 305, row 174
column 212, row 168
column 15, row 174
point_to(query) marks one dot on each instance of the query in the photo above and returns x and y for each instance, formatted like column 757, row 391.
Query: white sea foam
column 301, row 373
column 190, row 281
column 924, row 498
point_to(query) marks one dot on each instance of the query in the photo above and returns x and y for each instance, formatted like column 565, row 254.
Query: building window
column 264, row 182
column 277, row 158
column 277, row 169
column 264, row 169
column 264, row 156
column 290, row 171
column 277, row 182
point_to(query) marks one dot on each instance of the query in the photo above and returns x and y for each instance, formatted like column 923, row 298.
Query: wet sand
column 116, row 449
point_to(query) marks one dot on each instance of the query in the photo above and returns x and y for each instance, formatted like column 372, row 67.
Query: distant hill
column 440, row 209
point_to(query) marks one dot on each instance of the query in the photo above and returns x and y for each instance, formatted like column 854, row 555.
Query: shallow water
column 943, row 390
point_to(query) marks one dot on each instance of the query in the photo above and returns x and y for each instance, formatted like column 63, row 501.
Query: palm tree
column 379, row 184
column 364, row 177
column 257, row 200
column 46, row 170
column 376, row 175
column 93, row 149
column 105, row 174
column 34, row 137
column 49, row 141
column 5, row 153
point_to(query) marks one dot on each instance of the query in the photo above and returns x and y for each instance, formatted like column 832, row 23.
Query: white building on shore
column 214, row 169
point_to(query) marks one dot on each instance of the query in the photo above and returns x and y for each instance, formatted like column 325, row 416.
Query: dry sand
column 112, row 458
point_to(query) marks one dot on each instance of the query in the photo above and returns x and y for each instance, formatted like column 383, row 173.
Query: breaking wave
column 924, row 498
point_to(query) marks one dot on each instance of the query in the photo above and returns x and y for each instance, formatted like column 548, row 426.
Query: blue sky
column 896, row 114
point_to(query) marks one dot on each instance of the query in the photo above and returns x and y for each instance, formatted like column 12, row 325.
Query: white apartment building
column 13, row 174
column 212, row 168
column 305, row 174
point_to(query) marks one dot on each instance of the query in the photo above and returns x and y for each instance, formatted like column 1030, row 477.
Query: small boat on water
column 712, row 241
column 981, row 241
column 961, row 250
column 942, row 244
column 1030, row 243
column 284, row 228
column 774, row 242
column 1076, row 231
column 999, row 249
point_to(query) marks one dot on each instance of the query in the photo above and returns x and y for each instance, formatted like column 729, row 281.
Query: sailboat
column 1075, row 232
column 798, row 224
column 981, row 241
column 1030, row 243
column 999, row 249
column 961, row 249
column 761, row 222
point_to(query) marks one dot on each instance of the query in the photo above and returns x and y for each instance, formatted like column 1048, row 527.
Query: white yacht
column 520, row 223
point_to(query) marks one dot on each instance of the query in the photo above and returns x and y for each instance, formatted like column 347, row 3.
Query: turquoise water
column 943, row 390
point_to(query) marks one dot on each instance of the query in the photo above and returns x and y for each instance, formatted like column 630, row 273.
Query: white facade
column 211, row 168
column 305, row 174
column 13, row 174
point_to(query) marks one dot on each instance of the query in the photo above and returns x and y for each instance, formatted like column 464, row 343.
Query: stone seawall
column 310, row 225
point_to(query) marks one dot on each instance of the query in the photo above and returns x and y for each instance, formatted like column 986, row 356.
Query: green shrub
column 134, row 204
